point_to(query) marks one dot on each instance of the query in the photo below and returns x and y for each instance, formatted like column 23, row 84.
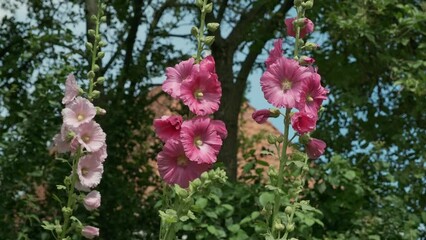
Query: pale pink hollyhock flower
column 66, row 141
column 200, row 140
column 315, row 148
column 202, row 92
column 90, row 232
column 283, row 81
column 305, row 30
column 61, row 146
column 168, row 127
column 175, row 167
column 312, row 95
column 89, row 171
column 303, row 122
column 220, row 127
column 261, row 116
column 91, row 136
column 175, row 76
column 92, row 200
column 78, row 112
column 275, row 53
column 71, row 89
column 101, row 154
column 80, row 187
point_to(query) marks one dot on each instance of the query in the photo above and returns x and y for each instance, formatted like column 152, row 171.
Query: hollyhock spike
column 200, row 140
column 303, row 122
column 315, row 148
column 71, row 89
column 282, row 82
column 78, row 112
column 175, row 76
column 89, row 171
column 175, row 168
column 168, row 127
column 275, row 53
column 307, row 28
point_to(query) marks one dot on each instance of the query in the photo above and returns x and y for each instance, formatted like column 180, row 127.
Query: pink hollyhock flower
column 202, row 92
column 303, row 122
column 61, row 146
column 175, row 167
column 200, row 140
column 261, row 116
column 92, row 200
column 71, row 89
column 208, row 63
column 66, row 141
column 168, row 127
column 315, row 148
column 90, row 232
column 312, row 95
column 275, row 53
column 89, row 171
column 305, row 30
column 80, row 187
column 175, row 76
column 283, row 81
column 91, row 136
column 220, row 127
column 78, row 112
column 101, row 154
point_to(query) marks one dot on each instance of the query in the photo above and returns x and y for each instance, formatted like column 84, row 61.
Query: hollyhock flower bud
column 175, row 168
column 305, row 30
column 261, row 116
column 200, row 140
column 89, row 171
column 168, row 127
column 71, row 89
column 175, row 76
column 282, row 82
column 304, row 60
column 78, row 112
column 315, row 148
column 90, row 232
column 310, row 46
column 92, row 200
column 275, row 53
column 303, row 122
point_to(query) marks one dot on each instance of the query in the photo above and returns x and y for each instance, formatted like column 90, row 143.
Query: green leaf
column 61, row 187
column 265, row 198
column 184, row 218
column 255, row 214
column 212, row 230
column 350, row 175
column 201, row 203
column 234, row 228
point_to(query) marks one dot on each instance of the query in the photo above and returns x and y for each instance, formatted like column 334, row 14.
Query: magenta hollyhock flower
column 220, row 127
column 202, row 92
column 305, row 30
column 303, row 122
column 200, row 140
column 91, row 136
column 168, row 127
column 175, row 76
column 261, row 116
column 71, row 89
column 283, row 81
column 78, row 112
column 92, row 200
column 275, row 53
column 315, row 148
column 89, row 171
column 90, row 232
column 312, row 95
column 175, row 167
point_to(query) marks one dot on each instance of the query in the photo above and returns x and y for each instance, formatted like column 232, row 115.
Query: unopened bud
column 67, row 211
column 308, row 4
column 279, row 226
column 301, row 42
column 102, row 44
column 300, row 22
column 209, row 40
column 305, row 60
column 181, row 192
column 89, row 46
column 213, row 26
column 199, row 3
column 274, row 112
column 272, row 139
column 298, row 3
column 311, row 46
column 101, row 55
column 90, row 75
column 204, row 176
column 95, row 94
column 290, row 227
column 288, row 210
column 100, row 80
column 103, row 19
column 93, row 18
column 196, row 182
column 209, row 8
column 91, row 32
column 194, row 31
column 100, row 111
column 305, row 168
column 280, row 139
column 96, row 67
column 304, row 139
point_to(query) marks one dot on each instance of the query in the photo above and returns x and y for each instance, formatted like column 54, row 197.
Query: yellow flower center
column 198, row 141
column 84, row 171
column 182, row 161
column 286, row 85
column 86, row 138
column 80, row 117
column 198, row 94
column 309, row 99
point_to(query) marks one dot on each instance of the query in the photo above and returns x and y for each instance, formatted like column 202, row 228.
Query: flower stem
column 71, row 199
column 200, row 37
column 283, row 160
